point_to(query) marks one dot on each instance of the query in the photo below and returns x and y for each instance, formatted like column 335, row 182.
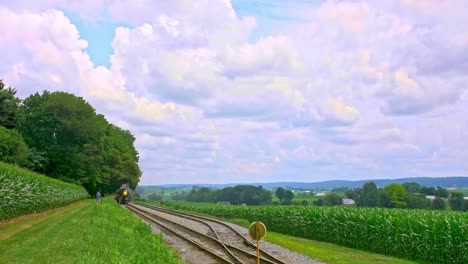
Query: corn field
column 23, row 192
column 429, row 236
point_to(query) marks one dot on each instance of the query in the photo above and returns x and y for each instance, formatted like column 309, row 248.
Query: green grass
column 83, row 233
column 330, row 253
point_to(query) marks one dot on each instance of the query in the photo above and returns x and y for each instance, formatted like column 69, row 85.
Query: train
column 123, row 196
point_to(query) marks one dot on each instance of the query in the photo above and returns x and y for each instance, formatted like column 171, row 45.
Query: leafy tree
column 252, row 195
column 240, row 194
column 369, row 195
column 280, row 192
column 9, row 105
column 397, row 194
column 319, row 202
column 418, row 201
column 412, row 187
column 383, row 200
column 202, row 194
column 438, row 204
column 428, row 190
column 441, row 192
column 456, row 201
column 78, row 145
column 35, row 160
column 332, row 199
column 13, row 149
column 154, row 197
column 288, row 197
column 352, row 194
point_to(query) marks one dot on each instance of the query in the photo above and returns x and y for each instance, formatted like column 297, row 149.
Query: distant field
column 464, row 191
column 165, row 192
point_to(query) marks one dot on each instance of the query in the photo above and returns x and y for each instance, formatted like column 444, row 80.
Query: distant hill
column 445, row 182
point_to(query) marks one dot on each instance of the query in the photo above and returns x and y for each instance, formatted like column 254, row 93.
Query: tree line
column 406, row 195
column 240, row 194
column 61, row 135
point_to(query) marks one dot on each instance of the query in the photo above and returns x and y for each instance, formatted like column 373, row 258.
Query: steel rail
column 251, row 255
column 220, row 242
column 178, row 234
column 197, row 217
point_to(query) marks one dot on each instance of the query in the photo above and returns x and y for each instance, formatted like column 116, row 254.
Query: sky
column 258, row 90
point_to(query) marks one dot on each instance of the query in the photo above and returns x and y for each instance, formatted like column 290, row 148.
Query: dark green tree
column 202, row 194
column 79, row 145
column 240, row 194
column 438, row 204
column 456, row 201
column 428, row 190
column 441, row 192
column 369, row 195
column 352, row 194
column 383, row 200
column 13, row 149
column 332, row 199
column 319, row 202
column 412, row 187
column 63, row 126
column 9, row 105
column 288, row 197
column 417, row 201
column 280, row 191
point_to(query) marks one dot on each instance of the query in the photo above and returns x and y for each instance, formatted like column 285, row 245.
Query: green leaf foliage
column 369, row 195
column 239, row 194
column 26, row 192
column 13, row 149
column 425, row 235
column 9, row 104
column 457, row 201
column 78, row 145
column 397, row 195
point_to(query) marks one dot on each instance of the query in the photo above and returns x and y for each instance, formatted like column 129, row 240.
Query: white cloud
column 353, row 89
column 338, row 112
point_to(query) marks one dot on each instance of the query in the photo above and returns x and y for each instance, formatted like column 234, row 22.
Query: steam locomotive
column 123, row 196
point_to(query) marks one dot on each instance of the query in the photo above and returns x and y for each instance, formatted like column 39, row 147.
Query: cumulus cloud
column 40, row 50
column 352, row 89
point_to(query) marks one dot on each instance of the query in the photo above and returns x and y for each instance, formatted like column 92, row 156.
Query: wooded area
column 61, row 135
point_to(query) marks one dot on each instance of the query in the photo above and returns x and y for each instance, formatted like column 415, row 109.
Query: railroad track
column 215, row 238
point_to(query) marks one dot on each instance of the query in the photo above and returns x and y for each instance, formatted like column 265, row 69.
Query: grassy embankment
column 322, row 251
column 25, row 192
column 83, row 233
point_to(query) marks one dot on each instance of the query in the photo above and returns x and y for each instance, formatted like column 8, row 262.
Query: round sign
column 257, row 230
